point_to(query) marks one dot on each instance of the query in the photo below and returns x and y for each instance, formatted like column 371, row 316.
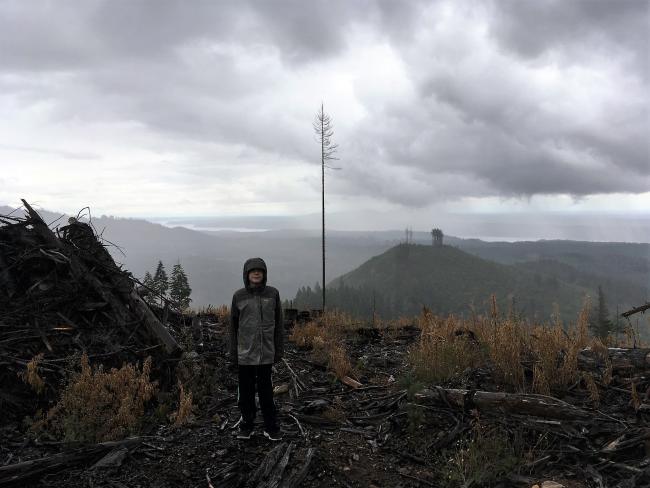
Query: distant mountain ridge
column 448, row 280
column 630, row 261
column 213, row 260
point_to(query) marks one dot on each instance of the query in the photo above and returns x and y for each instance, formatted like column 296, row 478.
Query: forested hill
column 447, row 280
column 622, row 261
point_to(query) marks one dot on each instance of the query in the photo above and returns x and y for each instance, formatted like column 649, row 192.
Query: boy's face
column 255, row 276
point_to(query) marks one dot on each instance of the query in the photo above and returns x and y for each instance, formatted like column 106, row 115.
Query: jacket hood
column 254, row 263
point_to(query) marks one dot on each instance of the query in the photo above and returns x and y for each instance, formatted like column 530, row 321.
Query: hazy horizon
column 511, row 227
column 489, row 227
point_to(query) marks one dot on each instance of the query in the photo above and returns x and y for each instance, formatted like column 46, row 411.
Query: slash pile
column 61, row 293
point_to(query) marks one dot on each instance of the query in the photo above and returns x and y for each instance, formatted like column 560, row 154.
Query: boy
column 256, row 343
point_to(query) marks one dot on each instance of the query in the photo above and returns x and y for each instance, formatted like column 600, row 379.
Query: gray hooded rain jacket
column 256, row 325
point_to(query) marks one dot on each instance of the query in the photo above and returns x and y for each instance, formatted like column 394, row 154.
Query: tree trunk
column 20, row 471
column 158, row 330
column 536, row 405
column 623, row 360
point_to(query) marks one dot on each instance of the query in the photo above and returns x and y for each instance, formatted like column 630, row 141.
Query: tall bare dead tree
column 324, row 132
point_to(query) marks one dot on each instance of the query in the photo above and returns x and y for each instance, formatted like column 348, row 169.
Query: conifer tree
column 601, row 324
column 148, row 282
column 160, row 281
column 180, row 290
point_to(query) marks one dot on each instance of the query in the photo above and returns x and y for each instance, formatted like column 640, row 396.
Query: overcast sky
column 175, row 108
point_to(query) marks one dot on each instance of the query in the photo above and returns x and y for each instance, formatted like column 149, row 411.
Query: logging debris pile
column 390, row 431
column 62, row 293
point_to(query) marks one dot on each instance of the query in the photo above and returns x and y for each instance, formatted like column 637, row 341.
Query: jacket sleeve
column 278, row 336
column 234, row 329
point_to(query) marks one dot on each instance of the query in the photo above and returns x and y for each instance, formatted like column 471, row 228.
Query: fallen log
column 280, row 389
column 113, row 459
column 627, row 440
column 152, row 323
column 267, row 465
column 276, row 476
column 526, row 404
column 28, row 469
column 634, row 310
column 621, row 359
column 297, row 478
column 352, row 383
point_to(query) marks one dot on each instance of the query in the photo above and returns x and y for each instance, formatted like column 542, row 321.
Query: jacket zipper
column 259, row 303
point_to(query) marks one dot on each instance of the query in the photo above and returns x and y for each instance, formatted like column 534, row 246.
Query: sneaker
column 273, row 434
column 245, row 431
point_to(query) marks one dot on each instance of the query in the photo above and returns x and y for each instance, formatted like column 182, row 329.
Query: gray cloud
column 580, row 26
column 44, row 35
column 503, row 98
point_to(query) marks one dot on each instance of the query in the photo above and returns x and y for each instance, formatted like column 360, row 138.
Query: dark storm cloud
column 308, row 31
column 502, row 133
column 533, row 28
column 45, row 35
column 501, row 127
column 505, row 98
column 129, row 61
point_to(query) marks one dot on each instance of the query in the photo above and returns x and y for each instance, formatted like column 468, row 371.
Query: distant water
column 202, row 228
column 602, row 229
column 503, row 238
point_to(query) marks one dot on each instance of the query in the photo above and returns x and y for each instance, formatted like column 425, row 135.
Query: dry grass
column 523, row 357
column 400, row 323
column 630, row 336
column 305, row 335
column 338, row 360
column 184, row 413
column 440, row 353
column 505, row 345
column 338, row 323
column 325, row 338
column 98, row 406
column 31, row 376
column 393, row 328
column 222, row 312
column 592, row 388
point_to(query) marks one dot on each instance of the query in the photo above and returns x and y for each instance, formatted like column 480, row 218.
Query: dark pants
column 249, row 378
